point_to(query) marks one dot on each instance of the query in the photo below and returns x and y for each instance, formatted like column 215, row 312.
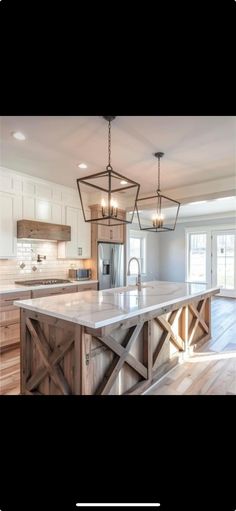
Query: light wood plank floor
column 10, row 372
column 210, row 371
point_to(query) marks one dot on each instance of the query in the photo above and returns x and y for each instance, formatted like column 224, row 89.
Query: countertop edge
column 119, row 318
column 19, row 288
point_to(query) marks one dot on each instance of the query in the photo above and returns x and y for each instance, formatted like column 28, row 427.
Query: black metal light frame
column 109, row 173
column 159, row 196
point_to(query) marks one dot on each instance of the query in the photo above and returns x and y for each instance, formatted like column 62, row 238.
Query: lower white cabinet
column 10, row 212
column 80, row 245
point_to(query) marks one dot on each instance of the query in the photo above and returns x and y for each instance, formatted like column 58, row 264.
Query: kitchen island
column 116, row 341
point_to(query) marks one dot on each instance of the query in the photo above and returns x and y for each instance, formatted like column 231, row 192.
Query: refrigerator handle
column 112, row 268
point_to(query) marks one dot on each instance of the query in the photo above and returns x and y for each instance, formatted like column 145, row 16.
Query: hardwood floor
column 10, row 372
column 212, row 370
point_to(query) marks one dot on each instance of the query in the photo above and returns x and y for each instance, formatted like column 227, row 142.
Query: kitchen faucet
column 138, row 281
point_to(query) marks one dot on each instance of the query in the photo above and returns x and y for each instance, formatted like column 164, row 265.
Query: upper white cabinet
column 43, row 211
column 28, row 208
column 84, row 235
column 57, row 214
column 24, row 197
column 80, row 245
column 10, row 212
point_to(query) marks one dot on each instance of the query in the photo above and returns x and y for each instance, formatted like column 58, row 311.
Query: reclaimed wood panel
column 31, row 229
column 65, row 358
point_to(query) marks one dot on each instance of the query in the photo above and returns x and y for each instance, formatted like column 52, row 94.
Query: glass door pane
column 224, row 260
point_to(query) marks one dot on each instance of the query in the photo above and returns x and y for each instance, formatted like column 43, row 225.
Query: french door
column 224, row 261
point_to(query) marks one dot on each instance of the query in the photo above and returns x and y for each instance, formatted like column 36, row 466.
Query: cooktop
column 42, row 282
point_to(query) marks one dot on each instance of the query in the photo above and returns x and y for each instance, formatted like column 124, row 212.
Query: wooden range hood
column 29, row 229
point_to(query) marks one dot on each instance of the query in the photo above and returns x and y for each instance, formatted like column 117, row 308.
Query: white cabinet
column 84, row 235
column 10, row 212
column 43, row 211
column 57, row 214
column 34, row 199
column 80, row 245
column 28, row 206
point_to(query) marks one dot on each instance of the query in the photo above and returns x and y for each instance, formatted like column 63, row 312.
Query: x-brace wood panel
column 50, row 359
column 168, row 334
column 122, row 356
column 198, row 320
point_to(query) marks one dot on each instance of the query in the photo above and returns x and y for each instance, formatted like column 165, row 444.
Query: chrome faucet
column 138, row 281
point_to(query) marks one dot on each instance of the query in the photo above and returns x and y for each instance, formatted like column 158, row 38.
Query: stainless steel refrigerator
column 111, row 265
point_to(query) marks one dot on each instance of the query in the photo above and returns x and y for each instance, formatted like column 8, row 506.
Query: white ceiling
column 197, row 149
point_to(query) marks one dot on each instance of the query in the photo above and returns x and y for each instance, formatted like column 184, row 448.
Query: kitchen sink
column 42, row 282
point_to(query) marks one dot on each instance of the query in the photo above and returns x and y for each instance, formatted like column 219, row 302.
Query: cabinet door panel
column 28, row 208
column 72, row 220
column 115, row 233
column 56, row 214
column 43, row 191
column 43, row 211
column 39, row 293
column 84, row 236
column 9, row 213
column 9, row 334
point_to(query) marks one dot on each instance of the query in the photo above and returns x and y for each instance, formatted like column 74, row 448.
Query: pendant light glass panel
column 106, row 196
column 157, row 213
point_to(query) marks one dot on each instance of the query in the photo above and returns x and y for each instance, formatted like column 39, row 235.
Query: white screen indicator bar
column 116, row 504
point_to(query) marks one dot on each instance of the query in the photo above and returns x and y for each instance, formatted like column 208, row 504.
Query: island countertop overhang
column 97, row 309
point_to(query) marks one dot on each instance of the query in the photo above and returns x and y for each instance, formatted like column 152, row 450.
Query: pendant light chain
column 109, row 146
column 159, row 180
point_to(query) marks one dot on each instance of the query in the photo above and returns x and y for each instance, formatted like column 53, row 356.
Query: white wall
column 172, row 248
column 152, row 254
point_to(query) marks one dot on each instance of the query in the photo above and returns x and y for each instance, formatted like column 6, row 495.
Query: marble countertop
column 96, row 309
column 11, row 288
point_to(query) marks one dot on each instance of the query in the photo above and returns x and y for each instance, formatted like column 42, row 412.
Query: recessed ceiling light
column 82, row 165
column 123, row 182
column 18, row 135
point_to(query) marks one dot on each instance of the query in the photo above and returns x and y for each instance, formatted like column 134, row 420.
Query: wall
column 52, row 267
column 152, row 255
column 172, row 248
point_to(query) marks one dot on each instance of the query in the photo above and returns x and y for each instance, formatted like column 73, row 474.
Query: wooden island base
column 61, row 357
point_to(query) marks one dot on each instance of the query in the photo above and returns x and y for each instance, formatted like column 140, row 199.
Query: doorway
column 223, row 261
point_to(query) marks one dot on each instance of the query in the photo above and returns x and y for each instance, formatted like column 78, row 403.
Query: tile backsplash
column 51, row 267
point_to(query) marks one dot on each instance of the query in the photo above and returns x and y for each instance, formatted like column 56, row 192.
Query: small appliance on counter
column 80, row 274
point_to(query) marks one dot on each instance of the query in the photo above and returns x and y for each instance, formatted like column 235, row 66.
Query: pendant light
column 157, row 213
column 106, row 195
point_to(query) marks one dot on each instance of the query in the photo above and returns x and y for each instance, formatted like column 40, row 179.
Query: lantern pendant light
column 105, row 196
column 164, row 210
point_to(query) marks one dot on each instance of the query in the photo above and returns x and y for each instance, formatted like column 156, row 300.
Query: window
column 137, row 248
column 197, row 245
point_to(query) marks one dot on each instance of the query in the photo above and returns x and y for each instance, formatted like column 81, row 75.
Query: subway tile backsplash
column 51, row 267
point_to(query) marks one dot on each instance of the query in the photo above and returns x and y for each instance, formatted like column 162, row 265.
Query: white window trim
column 209, row 231
column 142, row 236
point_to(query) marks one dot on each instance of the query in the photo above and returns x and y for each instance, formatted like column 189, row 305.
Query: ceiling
column 197, row 149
